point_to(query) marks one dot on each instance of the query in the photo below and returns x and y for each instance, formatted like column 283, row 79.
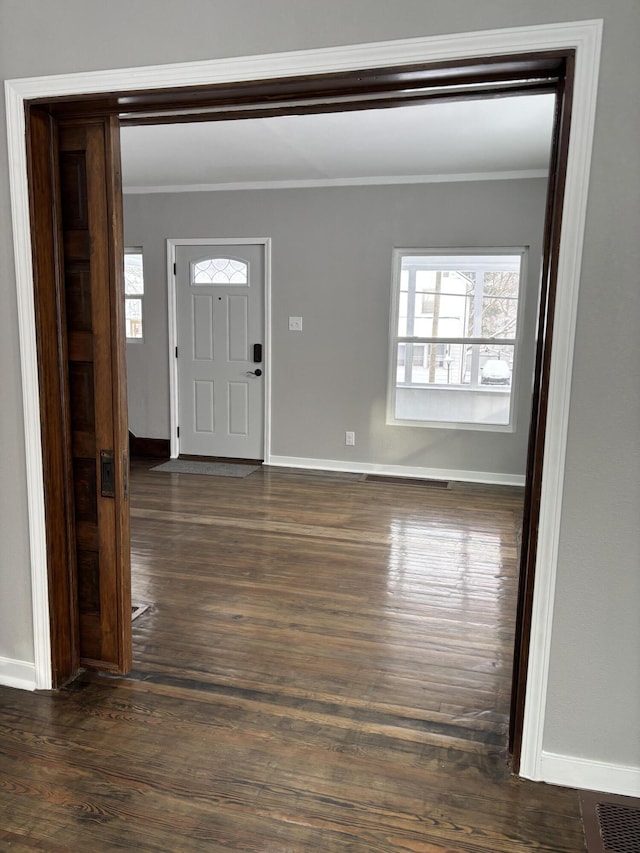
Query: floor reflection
column 393, row 603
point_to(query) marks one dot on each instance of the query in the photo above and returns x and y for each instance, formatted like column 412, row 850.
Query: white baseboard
column 589, row 775
column 397, row 470
column 17, row 673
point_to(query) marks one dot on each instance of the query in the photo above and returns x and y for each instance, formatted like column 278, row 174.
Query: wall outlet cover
column 295, row 324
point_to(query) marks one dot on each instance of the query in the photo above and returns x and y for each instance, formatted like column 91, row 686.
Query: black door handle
column 257, row 372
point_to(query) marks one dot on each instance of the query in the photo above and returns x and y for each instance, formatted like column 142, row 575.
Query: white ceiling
column 499, row 137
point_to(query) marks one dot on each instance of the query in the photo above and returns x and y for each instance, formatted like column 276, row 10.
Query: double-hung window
column 455, row 332
column 133, row 293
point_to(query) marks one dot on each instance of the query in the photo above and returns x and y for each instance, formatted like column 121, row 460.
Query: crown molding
column 384, row 180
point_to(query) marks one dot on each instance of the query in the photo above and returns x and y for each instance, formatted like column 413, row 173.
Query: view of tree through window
column 456, row 328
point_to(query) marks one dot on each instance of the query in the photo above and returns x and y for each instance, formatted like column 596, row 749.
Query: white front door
column 220, row 329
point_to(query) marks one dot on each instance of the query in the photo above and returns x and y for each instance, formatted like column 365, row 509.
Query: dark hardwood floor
column 324, row 666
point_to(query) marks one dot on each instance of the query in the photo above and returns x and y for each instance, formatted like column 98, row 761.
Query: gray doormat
column 214, row 469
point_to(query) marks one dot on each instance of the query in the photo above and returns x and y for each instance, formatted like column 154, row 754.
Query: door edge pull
column 107, row 474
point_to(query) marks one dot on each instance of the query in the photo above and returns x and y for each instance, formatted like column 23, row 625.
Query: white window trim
column 395, row 338
column 136, row 250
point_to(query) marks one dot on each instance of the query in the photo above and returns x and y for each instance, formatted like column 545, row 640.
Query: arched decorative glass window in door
column 220, row 271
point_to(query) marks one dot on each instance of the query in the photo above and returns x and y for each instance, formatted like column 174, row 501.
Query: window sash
column 482, row 341
column 456, row 362
column 458, row 261
column 135, row 295
column 140, row 320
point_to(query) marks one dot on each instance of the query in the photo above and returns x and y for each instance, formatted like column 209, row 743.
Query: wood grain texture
column 91, row 214
column 51, row 337
column 532, row 72
column 324, row 667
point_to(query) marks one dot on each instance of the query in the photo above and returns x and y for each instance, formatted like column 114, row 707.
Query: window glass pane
column 459, row 302
column 432, row 364
column 133, row 273
column 435, row 303
column 496, row 366
column 223, row 271
column 133, row 317
column 499, row 317
column 450, row 317
column 505, row 283
column 402, row 314
column 425, row 304
column 500, row 304
column 454, row 364
column 450, row 406
column 426, row 280
column 439, row 386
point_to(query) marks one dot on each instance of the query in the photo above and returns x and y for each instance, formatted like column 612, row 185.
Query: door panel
column 202, row 327
column 238, row 327
column 238, row 408
column 220, row 316
column 203, row 396
column 90, row 207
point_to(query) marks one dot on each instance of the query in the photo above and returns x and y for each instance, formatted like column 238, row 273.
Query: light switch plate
column 295, row 324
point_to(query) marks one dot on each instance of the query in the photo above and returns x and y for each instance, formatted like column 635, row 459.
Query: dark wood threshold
column 148, row 448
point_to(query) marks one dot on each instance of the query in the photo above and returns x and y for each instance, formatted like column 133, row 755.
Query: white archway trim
column 583, row 36
column 30, row 390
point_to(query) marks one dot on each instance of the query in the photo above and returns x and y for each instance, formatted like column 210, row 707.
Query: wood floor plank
column 324, row 665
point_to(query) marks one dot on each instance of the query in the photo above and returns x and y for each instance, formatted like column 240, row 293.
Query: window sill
column 488, row 389
column 451, row 425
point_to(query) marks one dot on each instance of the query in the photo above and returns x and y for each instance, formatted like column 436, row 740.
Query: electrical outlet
column 295, row 324
column 350, row 438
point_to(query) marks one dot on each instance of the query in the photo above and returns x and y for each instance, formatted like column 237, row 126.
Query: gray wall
column 16, row 641
column 594, row 686
column 332, row 252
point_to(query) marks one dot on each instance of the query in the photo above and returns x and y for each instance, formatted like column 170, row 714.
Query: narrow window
column 133, row 293
column 454, row 338
column 220, row 271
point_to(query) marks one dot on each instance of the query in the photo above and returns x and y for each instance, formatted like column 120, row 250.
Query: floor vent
column 611, row 823
column 406, row 481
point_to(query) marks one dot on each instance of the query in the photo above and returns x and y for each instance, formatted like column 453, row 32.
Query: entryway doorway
column 217, row 348
column 556, row 65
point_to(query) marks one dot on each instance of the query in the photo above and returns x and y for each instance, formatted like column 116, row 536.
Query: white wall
column 593, row 701
column 332, row 256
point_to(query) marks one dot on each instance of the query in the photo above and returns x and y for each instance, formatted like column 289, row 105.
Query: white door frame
column 585, row 37
column 172, row 244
